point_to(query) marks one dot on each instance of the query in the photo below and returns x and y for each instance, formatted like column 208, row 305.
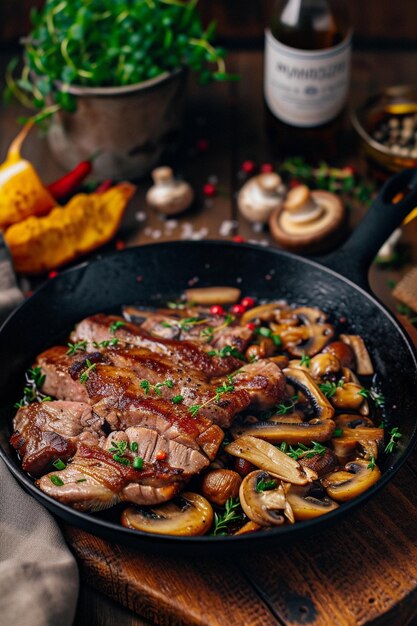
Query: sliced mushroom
column 320, row 365
column 263, row 312
column 213, row 295
column 362, row 431
column 219, row 485
column 295, row 417
column 350, row 482
column 301, row 379
column 249, row 527
column 364, row 365
column 264, row 507
column 291, row 433
column 348, row 397
column 189, row 514
column 306, row 503
column 265, row 456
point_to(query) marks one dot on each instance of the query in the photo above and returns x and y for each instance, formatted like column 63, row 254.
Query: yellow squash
column 21, row 190
column 39, row 244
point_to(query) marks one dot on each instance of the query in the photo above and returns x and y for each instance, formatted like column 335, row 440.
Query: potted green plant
column 112, row 74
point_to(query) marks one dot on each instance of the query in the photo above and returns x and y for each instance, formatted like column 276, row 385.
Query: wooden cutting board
column 361, row 572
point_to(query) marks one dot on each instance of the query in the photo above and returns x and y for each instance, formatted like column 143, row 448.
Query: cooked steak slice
column 264, row 381
column 55, row 364
column 151, row 444
column 48, row 431
column 94, row 481
column 118, row 397
column 100, row 327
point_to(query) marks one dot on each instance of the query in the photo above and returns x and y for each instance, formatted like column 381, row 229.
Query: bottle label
column 306, row 87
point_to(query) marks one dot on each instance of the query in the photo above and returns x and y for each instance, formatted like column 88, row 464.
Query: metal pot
column 130, row 128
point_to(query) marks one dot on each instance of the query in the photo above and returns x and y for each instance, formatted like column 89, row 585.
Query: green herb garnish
column 31, row 392
column 90, row 367
column 106, row 343
column 115, row 326
column 177, row 399
column 79, row 346
column 157, row 388
column 371, row 465
column 231, row 514
column 56, row 480
column 304, row 451
column 138, row 463
column 134, row 446
column 59, row 465
column 305, row 360
column 378, row 398
column 393, row 442
column 227, row 351
column 265, row 485
column 329, row 388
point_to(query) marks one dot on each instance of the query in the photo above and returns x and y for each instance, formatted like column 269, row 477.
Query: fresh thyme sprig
column 304, row 451
column 90, row 367
column 265, row 485
column 227, row 351
column 106, row 343
column 305, row 360
column 32, row 391
column 329, row 388
column 224, row 388
column 371, row 465
column 267, row 332
column 116, row 325
column 231, row 514
column 79, row 346
column 148, row 387
column 378, row 398
column 393, row 442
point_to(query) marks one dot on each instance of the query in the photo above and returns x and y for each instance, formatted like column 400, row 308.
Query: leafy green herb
column 177, row 399
column 305, row 360
column 166, row 324
column 90, row 367
column 267, row 332
column 187, row 323
column 283, row 447
column 138, row 463
column 283, row 409
column 194, row 409
column 115, row 326
column 59, row 465
column 106, row 343
column 148, row 387
column 338, row 432
column 227, row 351
column 224, row 388
column 329, row 388
column 207, row 333
column 231, row 514
column 119, row 447
column 378, row 398
column 265, row 485
column 79, row 346
column 56, row 480
column 81, row 480
column 134, row 446
column 371, row 465
column 145, row 385
column 31, row 392
column 304, row 451
column 393, row 442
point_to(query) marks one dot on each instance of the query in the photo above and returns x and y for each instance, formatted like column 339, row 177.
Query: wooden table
column 306, row 583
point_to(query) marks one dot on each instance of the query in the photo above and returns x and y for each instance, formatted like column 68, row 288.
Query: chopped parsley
column 59, row 464
column 56, row 480
column 177, row 399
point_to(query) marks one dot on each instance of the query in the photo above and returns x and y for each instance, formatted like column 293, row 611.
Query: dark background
column 379, row 23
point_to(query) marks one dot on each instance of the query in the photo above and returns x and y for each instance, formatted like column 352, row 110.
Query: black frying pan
column 156, row 273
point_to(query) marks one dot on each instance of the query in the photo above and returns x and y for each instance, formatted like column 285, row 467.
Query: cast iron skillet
column 156, row 273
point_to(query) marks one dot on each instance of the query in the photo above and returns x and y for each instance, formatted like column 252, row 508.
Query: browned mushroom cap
column 364, row 365
column 291, row 433
column 348, row 397
column 307, row 503
column 219, row 485
column 265, row 456
column 320, row 365
column 189, row 514
column 311, row 337
column 301, row 379
column 306, row 218
column 350, row 482
column 357, row 430
column 343, row 352
column 264, row 506
column 263, row 312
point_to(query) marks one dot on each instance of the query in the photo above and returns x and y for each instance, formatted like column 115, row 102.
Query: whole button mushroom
column 306, row 219
column 168, row 195
column 260, row 196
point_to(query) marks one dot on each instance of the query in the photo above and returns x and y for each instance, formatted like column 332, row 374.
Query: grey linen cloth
column 38, row 573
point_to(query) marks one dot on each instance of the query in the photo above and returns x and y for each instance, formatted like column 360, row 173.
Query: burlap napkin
column 38, row 574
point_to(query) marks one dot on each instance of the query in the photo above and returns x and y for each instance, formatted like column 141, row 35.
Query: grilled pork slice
column 55, row 364
column 118, row 397
column 47, row 431
column 151, row 445
column 94, row 481
column 100, row 327
column 264, row 381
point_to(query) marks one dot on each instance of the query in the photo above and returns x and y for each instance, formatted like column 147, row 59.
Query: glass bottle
column 307, row 65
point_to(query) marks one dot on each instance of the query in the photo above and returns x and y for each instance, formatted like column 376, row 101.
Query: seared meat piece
column 150, row 444
column 55, row 364
column 47, row 431
column 99, row 328
column 94, row 481
column 118, row 397
column 264, row 381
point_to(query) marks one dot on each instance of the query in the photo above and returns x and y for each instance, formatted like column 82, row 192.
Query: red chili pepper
column 250, row 325
column 248, row 167
column 237, row 309
column 248, row 302
column 209, row 190
column 106, row 184
column 62, row 187
column 216, row 309
column 161, row 455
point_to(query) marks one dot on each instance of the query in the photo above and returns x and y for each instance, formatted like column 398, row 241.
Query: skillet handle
column 384, row 215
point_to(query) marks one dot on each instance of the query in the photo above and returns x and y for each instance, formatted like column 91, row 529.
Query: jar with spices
column 307, row 64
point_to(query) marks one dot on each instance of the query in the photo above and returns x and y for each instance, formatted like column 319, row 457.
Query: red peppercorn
column 216, row 309
column 238, row 239
column 250, row 326
column 248, row 167
column 237, row 309
column 161, row 455
column 248, row 302
column 53, row 274
column 120, row 245
column 266, row 168
column 202, row 145
column 209, row 190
